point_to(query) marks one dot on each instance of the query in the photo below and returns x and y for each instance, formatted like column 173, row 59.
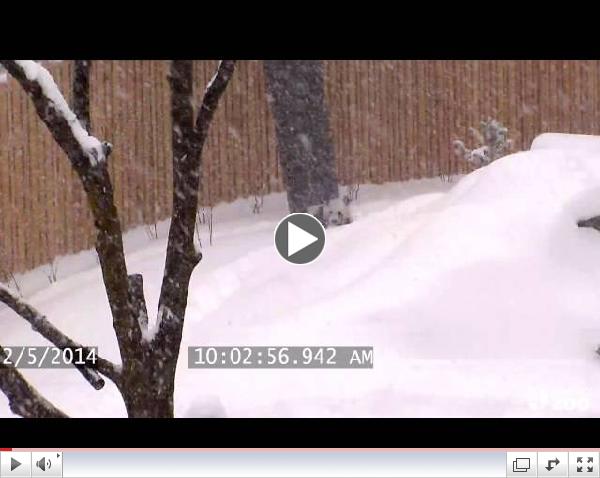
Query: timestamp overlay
column 300, row 357
column 49, row 357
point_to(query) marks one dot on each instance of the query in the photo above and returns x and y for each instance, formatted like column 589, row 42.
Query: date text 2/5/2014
column 49, row 357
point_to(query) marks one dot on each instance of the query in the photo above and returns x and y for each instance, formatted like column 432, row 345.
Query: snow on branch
column 23, row 399
column 44, row 327
column 54, row 110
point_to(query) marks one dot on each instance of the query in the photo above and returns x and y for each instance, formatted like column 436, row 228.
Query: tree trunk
column 296, row 93
column 148, row 391
column 146, row 405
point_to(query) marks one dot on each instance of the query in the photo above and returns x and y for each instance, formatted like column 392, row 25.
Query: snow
column 89, row 144
column 208, row 406
column 571, row 142
column 481, row 298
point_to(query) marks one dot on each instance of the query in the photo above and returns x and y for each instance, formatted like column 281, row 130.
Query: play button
column 16, row 464
column 299, row 238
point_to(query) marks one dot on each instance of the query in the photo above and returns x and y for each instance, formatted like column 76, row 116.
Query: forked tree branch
column 147, row 359
column 88, row 156
column 189, row 137
column 23, row 399
column 82, row 149
column 46, row 329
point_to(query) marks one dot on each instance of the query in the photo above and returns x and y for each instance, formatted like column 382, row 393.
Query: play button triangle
column 298, row 239
column 14, row 464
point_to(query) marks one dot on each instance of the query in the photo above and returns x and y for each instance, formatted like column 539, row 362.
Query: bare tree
column 296, row 92
column 145, row 378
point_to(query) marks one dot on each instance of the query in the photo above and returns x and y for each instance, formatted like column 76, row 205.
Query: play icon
column 15, row 464
column 299, row 238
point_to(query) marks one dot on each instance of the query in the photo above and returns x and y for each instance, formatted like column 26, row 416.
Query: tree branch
column 82, row 149
column 81, row 92
column 188, row 142
column 46, row 329
column 88, row 157
column 593, row 222
column 136, row 287
column 23, row 399
column 212, row 95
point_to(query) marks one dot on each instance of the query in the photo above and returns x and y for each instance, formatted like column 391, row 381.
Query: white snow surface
column 89, row 144
column 481, row 299
column 583, row 142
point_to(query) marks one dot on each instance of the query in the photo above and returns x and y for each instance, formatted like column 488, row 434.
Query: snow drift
column 480, row 300
column 583, row 142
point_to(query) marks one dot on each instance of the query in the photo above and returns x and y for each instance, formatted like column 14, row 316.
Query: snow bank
column 481, row 300
column 582, row 142
column 206, row 407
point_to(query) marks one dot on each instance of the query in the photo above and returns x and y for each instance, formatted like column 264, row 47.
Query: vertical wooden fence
column 391, row 120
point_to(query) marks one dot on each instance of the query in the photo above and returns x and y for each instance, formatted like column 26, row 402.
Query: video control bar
column 298, row 463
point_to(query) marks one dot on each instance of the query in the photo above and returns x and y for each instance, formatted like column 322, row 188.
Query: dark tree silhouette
column 296, row 93
column 146, row 376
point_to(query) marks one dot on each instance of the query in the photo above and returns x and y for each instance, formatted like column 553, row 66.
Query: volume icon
column 43, row 463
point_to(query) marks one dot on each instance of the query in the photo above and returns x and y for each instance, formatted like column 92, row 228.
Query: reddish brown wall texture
column 391, row 121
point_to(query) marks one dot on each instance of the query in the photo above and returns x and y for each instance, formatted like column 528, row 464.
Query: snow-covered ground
column 481, row 298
